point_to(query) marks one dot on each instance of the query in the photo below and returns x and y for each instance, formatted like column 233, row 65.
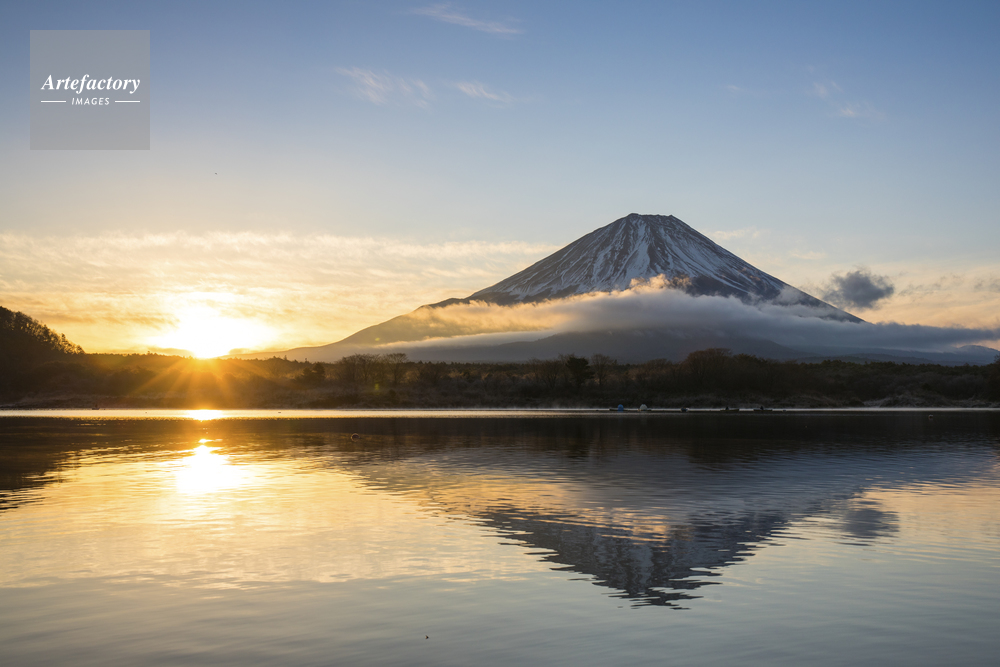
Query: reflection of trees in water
column 31, row 451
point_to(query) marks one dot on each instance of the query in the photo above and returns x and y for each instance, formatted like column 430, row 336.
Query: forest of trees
column 26, row 343
column 39, row 368
column 707, row 378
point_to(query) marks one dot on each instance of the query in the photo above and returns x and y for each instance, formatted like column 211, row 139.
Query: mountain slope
column 638, row 247
column 632, row 324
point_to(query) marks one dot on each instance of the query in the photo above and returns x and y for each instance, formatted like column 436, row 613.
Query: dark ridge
column 25, row 342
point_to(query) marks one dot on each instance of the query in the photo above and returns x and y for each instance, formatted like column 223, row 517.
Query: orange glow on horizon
column 203, row 332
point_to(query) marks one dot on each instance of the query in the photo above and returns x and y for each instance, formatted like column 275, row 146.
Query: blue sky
column 809, row 138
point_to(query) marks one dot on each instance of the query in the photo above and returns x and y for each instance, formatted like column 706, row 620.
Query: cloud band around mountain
column 654, row 306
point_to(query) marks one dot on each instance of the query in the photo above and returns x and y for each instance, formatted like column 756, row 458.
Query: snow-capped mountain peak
column 637, row 247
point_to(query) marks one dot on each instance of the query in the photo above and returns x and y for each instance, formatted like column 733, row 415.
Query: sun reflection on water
column 204, row 471
column 204, row 415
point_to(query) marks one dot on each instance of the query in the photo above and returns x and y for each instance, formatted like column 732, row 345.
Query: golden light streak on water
column 204, row 415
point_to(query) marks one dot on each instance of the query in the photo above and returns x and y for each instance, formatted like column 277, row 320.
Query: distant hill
column 26, row 342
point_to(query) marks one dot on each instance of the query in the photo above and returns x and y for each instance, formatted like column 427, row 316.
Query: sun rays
column 205, row 332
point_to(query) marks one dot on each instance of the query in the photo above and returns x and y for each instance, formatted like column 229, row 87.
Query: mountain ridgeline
column 640, row 247
column 632, row 249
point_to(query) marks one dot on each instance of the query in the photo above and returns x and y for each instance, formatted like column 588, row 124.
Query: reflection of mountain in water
column 646, row 505
column 866, row 521
column 652, row 569
column 648, row 510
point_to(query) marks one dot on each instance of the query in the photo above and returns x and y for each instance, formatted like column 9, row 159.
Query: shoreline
column 336, row 413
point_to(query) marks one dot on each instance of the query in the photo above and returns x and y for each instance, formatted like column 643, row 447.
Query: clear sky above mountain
column 320, row 167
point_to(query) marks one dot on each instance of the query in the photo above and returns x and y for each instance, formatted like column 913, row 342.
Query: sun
column 203, row 332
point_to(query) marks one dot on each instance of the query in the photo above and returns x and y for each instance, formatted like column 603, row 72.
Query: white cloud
column 859, row 110
column 748, row 232
column 825, row 89
column 445, row 13
column 743, row 91
column 119, row 290
column 832, row 94
column 653, row 305
column 808, row 255
column 384, row 88
column 477, row 90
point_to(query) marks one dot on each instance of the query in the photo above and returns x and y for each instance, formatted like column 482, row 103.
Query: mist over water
column 479, row 538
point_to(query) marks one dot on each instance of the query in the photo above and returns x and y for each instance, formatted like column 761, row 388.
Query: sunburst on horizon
column 205, row 333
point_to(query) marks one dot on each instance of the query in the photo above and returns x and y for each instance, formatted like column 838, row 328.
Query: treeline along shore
column 41, row 369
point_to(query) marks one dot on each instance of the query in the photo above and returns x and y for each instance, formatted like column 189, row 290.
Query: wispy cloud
column 383, row 88
column 943, row 283
column 990, row 284
column 860, row 110
column 743, row 91
column 448, row 14
column 120, row 291
column 747, row 232
column 477, row 90
column 809, row 255
column 824, row 89
column 831, row 93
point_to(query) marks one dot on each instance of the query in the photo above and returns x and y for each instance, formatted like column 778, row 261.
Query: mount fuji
column 638, row 248
column 630, row 253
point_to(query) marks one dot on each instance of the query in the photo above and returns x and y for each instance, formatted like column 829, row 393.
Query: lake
column 497, row 538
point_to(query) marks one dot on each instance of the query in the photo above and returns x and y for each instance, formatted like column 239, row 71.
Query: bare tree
column 548, row 371
column 348, row 369
column 371, row 369
column 705, row 366
column 395, row 363
column 603, row 367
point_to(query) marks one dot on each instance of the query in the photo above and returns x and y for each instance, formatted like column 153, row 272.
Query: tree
column 395, row 363
column 431, row 372
column 313, row 375
column 603, row 366
column 548, row 371
column 579, row 369
column 24, row 342
column 275, row 367
column 993, row 379
column 347, row 370
column 370, row 368
column 706, row 366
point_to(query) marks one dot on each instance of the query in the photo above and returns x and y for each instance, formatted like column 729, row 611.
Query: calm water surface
column 484, row 538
